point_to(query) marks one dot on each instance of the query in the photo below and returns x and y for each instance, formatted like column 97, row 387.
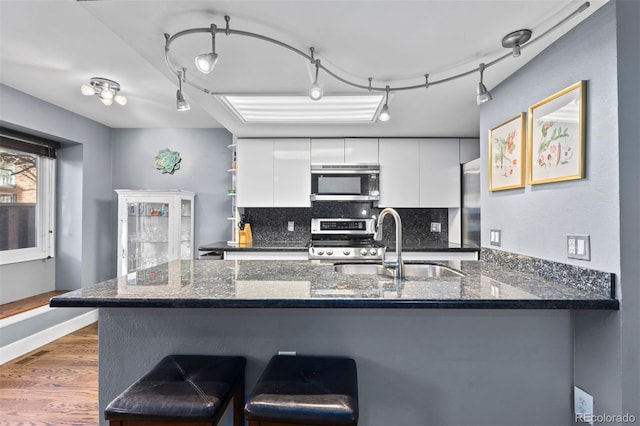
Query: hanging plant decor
column 168, row 161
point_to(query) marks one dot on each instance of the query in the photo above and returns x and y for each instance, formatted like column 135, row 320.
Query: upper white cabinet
column 419, row 173
column 399, row 172
column 361, row 150
column 291, row 173
column 327, row 151
column 349, row 150
column 439, row 173
column 255, row 172
column 273, row 172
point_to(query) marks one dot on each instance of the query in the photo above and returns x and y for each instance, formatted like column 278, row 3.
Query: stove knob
column 373, row 252
column 329, row 252
column 346, row 252
column 363, row 252
column 320, row 251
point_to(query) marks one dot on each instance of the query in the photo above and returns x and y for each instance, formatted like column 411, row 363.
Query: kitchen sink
column 411, row 270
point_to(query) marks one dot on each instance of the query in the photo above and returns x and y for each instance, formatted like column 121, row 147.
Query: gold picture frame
column 506, row 154
column 556, row 135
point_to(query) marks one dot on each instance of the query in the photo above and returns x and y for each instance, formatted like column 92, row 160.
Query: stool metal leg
column 238, row 403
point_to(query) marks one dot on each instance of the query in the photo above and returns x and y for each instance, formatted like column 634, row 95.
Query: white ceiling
column 49, row 48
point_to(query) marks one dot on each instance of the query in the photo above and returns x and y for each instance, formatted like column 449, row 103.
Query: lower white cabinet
column 154, row 227
column 273, row 173
column 419, row 173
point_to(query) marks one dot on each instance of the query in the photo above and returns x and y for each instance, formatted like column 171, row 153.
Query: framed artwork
column 556, row 136
column 506, row 154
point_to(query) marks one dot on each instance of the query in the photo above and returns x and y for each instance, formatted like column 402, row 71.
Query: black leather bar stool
column 182, row 389
column 305, row 390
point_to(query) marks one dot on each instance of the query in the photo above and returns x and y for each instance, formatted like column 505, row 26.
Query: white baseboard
column 36, row 340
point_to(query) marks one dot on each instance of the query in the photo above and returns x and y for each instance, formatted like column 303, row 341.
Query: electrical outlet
column 582, row 406
column 290, row 226
column 436, row 227
column 578, row 247
column 496, row 237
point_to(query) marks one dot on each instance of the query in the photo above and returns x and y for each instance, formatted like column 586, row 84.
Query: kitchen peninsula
column 412, row 367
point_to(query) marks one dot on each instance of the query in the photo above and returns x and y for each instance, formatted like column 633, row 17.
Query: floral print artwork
column 556, row 140
column 506, row 152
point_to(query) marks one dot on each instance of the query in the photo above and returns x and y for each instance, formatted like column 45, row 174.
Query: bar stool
column 180, row 389
column 305, row 390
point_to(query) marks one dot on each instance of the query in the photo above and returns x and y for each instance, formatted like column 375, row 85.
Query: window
column 26, row 197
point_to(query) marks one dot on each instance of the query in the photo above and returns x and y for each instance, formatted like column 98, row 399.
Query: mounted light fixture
column 385, row 115
column 181, row 102
column 206, row 62
column 483, row 94
column 106, row 89
column 515, row 40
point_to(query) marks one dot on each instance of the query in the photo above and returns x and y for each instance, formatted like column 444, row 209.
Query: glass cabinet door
column 186, row 245
column 147, row 234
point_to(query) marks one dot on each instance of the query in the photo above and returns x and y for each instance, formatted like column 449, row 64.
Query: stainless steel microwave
column 345, row 182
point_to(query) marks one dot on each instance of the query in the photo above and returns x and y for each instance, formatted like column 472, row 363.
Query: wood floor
column 23, row 305
column 56, row 384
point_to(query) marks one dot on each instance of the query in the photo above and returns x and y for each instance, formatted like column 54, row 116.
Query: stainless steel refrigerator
column 471, row 203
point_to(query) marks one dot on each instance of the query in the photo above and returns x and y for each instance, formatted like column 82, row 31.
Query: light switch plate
column 578, row 247
column 291, row 226
column 496, row 237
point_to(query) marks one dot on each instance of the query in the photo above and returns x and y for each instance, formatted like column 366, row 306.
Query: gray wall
column 203, row 170
column 604, row 51
column 85, row 216
column 535, row 220
column 415, row 367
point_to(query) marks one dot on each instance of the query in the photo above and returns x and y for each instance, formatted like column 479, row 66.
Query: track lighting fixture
column 315, row 92
column 483, row 94
column 181, row 102
column 106, row 89
column 515, row 40
column 385, row 115
column 206, row 62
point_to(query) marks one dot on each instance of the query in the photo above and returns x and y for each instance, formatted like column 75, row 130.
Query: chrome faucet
column 398, row 264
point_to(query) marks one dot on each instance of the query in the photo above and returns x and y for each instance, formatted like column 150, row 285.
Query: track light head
column 315, row 92
column 206, row 62
column 385, row 115
column 483, row 94
column 181, row 102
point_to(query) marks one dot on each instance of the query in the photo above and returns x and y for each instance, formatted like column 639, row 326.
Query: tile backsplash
column 270, row 225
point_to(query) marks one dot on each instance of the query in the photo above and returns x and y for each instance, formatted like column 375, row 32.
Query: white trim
column 6, row 322
column 30, row 343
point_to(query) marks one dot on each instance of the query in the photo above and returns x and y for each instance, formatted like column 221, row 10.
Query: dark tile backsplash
column 416, row 227
column 270, row 224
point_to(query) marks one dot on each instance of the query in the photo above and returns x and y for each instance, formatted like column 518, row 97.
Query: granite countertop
column 304, row 284
column 432, row 246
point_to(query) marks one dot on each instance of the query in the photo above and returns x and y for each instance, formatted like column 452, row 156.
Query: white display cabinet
column 154, row 227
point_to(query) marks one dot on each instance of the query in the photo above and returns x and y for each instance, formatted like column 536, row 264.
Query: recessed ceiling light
column 301, row 109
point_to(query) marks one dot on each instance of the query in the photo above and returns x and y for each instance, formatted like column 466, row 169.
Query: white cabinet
column 291, row 173
column 154, row 227
column 349, row 150
column 273, row 173
column 419, row 173
column 399, row 172
column 439, row 173
column 255, row 173
column 327, row 151
column 361, row 150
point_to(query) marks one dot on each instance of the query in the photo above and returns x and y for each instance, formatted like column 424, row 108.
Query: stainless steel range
column 344, row 239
